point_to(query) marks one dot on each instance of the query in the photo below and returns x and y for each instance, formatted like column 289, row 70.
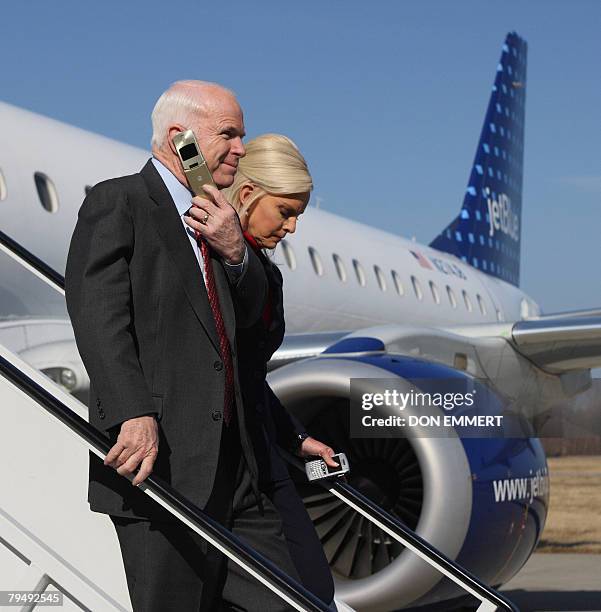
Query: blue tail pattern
column 486, row 233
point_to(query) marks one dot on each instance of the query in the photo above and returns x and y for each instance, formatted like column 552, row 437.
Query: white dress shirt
column 182, row 197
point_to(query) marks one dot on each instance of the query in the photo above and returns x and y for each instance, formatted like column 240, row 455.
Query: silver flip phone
column 194, row 164
column 318, row 468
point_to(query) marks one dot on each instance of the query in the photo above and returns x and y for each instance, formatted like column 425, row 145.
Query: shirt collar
column 181, row 195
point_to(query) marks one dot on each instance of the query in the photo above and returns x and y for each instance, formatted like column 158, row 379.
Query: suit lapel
column 169, row 226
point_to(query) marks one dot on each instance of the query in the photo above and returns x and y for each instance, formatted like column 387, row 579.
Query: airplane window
column 416, row 288
column 451, row 295
column 88, row 188
column 3, row 191
column 316, row 261
column 396, row 279
column 481, row 303
column 339, row 267
column 380, row 278
column 435, row 293
column 359, row 272
column 46, row 192
column 466, row 299
column 289, row 256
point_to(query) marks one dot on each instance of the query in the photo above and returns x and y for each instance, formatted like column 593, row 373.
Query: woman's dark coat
column 268, row 422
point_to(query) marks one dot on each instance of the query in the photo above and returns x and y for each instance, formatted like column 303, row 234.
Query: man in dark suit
column 154, row 307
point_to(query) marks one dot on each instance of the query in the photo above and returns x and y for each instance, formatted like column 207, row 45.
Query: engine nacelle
column 481, row 501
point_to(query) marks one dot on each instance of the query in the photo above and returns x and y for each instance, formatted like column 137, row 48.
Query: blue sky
column 385, row 99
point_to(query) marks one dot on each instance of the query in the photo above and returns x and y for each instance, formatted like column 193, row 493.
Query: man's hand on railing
column 137, row 443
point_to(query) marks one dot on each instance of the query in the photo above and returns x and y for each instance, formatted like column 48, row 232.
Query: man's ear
column 246, row 192
column 173, row 130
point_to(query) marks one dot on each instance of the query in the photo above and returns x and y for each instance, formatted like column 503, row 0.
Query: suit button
column 216, row 415
column 218, row 366
column 98, row 402
column 101, row 413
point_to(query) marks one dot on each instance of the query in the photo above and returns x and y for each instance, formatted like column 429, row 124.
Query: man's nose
column 238, row 148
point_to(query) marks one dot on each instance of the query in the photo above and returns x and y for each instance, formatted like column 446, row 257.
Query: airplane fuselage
column 338, row 274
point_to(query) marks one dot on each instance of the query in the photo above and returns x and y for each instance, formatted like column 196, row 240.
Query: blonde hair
column 274, row 164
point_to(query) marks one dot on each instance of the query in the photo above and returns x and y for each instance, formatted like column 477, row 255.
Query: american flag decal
column 423, row 262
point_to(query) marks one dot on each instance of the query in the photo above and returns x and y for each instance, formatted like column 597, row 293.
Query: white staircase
column 48, row 535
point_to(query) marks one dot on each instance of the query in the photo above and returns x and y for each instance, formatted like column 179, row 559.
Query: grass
column 574, row 519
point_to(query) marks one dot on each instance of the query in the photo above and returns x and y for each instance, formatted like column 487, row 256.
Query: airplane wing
column 533, row 363
column 560, row 344
column 557, row 344
column 588, row 312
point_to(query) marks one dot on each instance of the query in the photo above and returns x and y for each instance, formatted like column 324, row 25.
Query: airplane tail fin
column 486, row 233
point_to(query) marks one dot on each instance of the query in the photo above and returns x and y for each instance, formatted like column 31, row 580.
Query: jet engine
column 482, row 501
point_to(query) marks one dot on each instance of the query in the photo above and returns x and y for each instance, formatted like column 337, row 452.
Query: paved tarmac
column 557, row 583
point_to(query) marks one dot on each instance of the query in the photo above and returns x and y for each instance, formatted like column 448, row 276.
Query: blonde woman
column 270, row 192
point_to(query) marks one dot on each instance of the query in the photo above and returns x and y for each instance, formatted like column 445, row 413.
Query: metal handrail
column 173, row 501
column 32, row 262
column 398, row 530
column 344, row 491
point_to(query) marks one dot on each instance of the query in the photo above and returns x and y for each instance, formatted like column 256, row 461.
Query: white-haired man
column 154, row 307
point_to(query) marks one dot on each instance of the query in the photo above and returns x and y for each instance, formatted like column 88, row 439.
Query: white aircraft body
column 72, row 158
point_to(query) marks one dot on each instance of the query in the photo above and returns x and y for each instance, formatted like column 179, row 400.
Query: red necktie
column 224, row 344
